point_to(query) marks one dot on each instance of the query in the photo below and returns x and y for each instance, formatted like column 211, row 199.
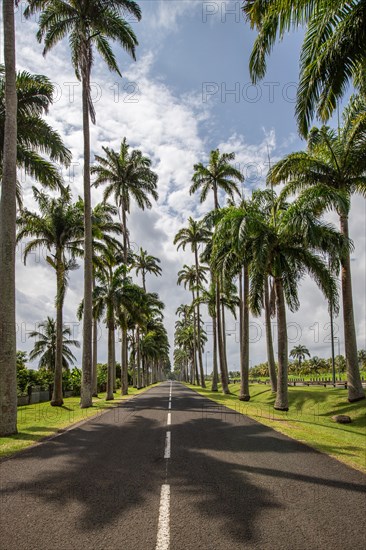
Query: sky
column 188, row 92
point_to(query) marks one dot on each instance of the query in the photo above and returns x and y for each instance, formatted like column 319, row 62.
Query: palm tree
column 45, row 345
column 108, row 298
column 34, row 136
column 327, row 174
column 208, row 297
column 106, row 249
column 195, row 234
column 193, row 277
column 299, row 352
column 332, row 54
column 146, row 263
column 218, row 175
column 128, row 175
column 88, row 25
column 58, row 228
column 285, row 247
column 8, row 369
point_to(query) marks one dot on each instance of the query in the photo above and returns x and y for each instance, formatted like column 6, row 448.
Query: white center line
column 167, row 445
column 163, row 538
column 169, row 405
column 169, row 420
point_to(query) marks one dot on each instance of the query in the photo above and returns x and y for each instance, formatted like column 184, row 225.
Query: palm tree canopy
column 87, row 23
column 299, row 352
column 333, row 52
column 194, row 234
column 285, row 246
column 218, row 174
column 35, row 138
column 333, row 167
column 127, row 174
column 45, row 346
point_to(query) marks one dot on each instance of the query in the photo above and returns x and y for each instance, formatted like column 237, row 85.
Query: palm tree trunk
column 195, row 343
column 223, row 324
column 203, row 384
column 110, row 395
column 57, row 397
column 8, row 372
column 86, row 384
column 224, row 378
column 354, row 385
column 269, row 339
column 215, row 375
column 124, row 362
column 138, row 358
column 244, row 366
column 95, row 354
column 281, row 403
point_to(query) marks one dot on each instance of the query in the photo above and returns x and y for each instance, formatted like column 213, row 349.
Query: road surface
column 171, row 470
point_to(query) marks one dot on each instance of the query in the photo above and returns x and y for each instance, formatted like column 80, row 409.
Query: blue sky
column 172, row 104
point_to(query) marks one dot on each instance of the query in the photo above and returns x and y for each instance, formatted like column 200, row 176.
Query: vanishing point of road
column 169, row 469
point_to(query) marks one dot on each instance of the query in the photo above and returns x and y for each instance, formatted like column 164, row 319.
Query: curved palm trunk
column 269, row 339
column 244, row 366
column 354, row 385
column 57, row 396
column 224, row 378
column 8, row 373
column 281, row 403
column 110, row 368
column 86, row 384
column 215, row 374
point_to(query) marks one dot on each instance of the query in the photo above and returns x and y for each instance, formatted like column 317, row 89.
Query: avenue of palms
column 249, row 252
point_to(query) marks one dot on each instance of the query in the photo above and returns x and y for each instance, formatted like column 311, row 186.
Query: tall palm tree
column 286, row 247
column 193, row 277
column 58, row 228
column 218, row 174
column 327, row 174
column 146, row 263
column 8, row 369
column 45, row 345
column 333, row 52
column 299, row 352
column 35, row 137
column 88, row 25
column 127, row 175
column 108, row 298
column 194, row 235
column 106, row 250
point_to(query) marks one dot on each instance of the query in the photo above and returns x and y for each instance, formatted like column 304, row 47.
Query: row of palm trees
column 266, row 244
column 89, row 26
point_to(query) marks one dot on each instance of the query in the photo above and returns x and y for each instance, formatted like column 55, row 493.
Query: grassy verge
column 309, row 418
column 40, row 420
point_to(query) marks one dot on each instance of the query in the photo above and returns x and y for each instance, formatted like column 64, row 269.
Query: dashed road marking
column 163, row 538
column 167, row 445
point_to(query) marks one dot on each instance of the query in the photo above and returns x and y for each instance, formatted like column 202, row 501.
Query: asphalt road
column 219, row 481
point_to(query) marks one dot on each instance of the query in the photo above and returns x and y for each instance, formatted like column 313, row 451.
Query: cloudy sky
column 188, row 92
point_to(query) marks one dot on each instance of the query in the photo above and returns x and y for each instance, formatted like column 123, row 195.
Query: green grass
column 309, row 418
column 40, row 420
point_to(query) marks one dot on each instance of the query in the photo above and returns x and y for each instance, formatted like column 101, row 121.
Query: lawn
column 40, row 420
column 309, row 418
